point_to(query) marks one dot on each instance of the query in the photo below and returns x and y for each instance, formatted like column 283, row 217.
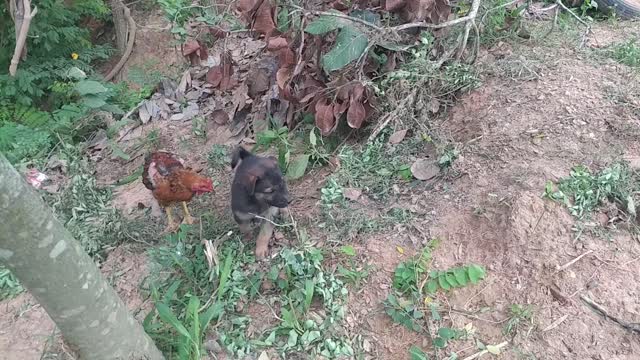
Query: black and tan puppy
column 258, row 192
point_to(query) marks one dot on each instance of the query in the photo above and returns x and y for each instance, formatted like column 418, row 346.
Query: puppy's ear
column 251, row 183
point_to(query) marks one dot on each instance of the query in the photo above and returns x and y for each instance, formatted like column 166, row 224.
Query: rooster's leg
column 187, row 216
column 171, row 224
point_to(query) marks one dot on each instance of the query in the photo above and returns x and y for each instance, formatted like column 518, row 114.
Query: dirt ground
column 543, row 107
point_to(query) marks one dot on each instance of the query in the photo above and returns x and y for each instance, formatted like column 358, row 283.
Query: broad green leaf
column 283, row 19
column 76, row 74
column 298, row 166
column 461, row 276
column 476, row 273
column 446, row 333
column 349, row 46
column 432, row 286
column 440, row 343
column 192, row 309
column 323, row 25
column 442, row 281
column 167, row 316
column 417, row 353
column 93, row 101
column 168, row 296
column 451, row 279
column 87, row 87
column 293, row 338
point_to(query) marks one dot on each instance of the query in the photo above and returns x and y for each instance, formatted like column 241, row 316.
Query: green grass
column 519, row 316
column 584, row 191
column 627, row 53
column 307, row 299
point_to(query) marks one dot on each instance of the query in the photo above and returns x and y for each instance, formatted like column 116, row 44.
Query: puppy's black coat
column 258, row 188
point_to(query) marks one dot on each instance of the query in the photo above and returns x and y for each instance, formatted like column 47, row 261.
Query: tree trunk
column 46, row 259
column 120, row 24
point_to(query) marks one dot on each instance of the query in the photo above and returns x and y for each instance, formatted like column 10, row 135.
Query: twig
column 555, row 324
column 127, row 52
column 338, row 15
column 471, row 16
column 600, row 310
column 496, row 8
column 298, row 68
column 475, row 6
column 22, row 37
column 563, row 6
column 269, row 220
column 567, row 265
column 478, row 354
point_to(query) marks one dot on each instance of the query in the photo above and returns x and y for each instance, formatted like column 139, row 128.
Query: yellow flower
column 74, row 56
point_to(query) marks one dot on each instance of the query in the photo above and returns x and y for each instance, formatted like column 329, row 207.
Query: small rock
column 213, row 346
column 177, row 117
column 352, row 194
column 425, row 169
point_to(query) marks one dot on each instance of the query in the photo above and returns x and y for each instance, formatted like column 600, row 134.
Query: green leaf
column 293, row 338
column 417, row 353
column 192, row 309
column 87, row 87
column 297, row 167
column 446, row 333
column 308, row 293
column 312, row 137
column 493, row 349
column 224, row 276
column 443, row 282
column 476, row 273
column 117, row 151
column 348, row 250
column 461, row 276
column 432, row 286
column 167, row 316
column 76, row 74
column 323, row 25
column 451, row 279
column 283, row 19
column 213, row 312
column 350, row 44
column 93, row 101
column 440, row 343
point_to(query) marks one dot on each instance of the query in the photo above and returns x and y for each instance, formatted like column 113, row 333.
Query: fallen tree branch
column 565, row 8
column 131, row 39
column 422, row 24
column 21, row 39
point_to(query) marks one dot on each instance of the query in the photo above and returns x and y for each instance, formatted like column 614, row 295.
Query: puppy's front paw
column 261, row 252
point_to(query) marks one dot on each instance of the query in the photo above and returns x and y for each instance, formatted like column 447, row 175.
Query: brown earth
column 544, row 107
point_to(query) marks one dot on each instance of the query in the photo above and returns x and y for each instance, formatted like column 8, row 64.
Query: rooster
column 171, row 182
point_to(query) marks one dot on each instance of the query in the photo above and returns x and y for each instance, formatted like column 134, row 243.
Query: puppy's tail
column 238, row 155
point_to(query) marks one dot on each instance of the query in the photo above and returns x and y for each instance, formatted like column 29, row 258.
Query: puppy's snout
column 281, row 201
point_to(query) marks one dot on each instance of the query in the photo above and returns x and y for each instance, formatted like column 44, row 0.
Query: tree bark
column 43, row 255
column 120, row 24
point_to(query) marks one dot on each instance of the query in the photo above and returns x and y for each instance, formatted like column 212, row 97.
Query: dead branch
column 338, row 15
column 483, row 352
column 600, row 310
column 475, row 6
column 132, row 38
column 422, row 24
column 565, row 8
column 21, row 39
column 567, row 265
column 555, row 324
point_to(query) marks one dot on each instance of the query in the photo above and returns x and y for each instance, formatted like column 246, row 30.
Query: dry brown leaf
column 220, row 117
column 394, row 5
column 277, row 43
column 282, row 76
column 356, row 114
column 190, row 47
column 220, row 76
column 397, row 136
column 425, row 169
column 259, row 14
column 352, row 194
column 217, row 33
column 325, row 120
